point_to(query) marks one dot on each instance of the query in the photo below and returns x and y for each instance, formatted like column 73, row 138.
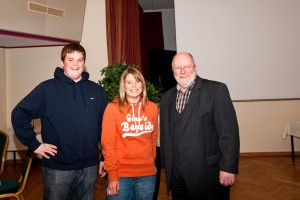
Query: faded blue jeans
column 70, row 184
column 136, row 188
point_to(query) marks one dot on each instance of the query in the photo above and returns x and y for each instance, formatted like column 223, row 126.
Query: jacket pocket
column 213, row 160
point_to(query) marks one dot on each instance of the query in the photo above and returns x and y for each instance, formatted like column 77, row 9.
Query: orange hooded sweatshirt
column 129, row 140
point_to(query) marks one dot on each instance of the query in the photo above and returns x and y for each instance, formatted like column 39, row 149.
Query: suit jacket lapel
column 189, row 107
column 171, row 105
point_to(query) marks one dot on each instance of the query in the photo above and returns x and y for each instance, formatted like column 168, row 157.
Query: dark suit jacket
column 208, row 139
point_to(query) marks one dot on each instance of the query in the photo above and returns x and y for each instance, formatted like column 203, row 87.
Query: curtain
column 115, row 33
column 152, row 39
column 123, row 32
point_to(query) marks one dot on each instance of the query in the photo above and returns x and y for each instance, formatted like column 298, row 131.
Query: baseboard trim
column 243, row 154
column 268, row 153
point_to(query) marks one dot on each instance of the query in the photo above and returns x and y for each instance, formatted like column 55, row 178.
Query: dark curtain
column 123, row 32
column 151, row 30
column 132, row 34
column 115, row 31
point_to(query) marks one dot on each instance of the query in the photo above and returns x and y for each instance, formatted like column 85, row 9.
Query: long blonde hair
column 122, row 94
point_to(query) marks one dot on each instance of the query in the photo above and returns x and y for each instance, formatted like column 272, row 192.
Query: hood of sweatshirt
column 59, row 74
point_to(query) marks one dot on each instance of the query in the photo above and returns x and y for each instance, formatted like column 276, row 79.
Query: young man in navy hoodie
column 70, row 108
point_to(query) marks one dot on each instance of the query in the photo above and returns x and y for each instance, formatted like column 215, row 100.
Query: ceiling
column 19, row 40
column 154, row 5
column 10, row 39
column 22, row 42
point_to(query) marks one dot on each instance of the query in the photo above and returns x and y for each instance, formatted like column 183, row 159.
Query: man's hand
column 45, row 149
column 102, row 172
column 226, row 178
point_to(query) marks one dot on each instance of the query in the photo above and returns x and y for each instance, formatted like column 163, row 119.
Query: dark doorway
column 160, row 62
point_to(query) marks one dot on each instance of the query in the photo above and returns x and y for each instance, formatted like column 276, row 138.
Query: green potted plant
column 111, row 78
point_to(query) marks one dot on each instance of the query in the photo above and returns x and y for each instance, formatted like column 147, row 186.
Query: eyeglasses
column 187, row 68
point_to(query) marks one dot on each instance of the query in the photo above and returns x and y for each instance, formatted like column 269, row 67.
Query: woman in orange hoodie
column 129, row 138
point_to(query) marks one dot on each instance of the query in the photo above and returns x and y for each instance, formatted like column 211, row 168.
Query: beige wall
column 27, row 67
column 14, row 16
column 261, row 123
column 3, row 105
column 94, row 38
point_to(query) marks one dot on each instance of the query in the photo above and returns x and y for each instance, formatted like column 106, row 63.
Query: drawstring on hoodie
column 132, row 128
column 139, row 116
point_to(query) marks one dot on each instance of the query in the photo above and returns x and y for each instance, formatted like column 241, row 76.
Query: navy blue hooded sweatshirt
column 71, row 117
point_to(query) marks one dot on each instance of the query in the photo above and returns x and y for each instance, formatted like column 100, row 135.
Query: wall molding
column 262, row 154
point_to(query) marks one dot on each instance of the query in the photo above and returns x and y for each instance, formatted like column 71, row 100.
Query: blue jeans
column 70, row 184
column 137, row 188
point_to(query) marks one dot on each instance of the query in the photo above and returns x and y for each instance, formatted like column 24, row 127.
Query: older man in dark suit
column 199, row 135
